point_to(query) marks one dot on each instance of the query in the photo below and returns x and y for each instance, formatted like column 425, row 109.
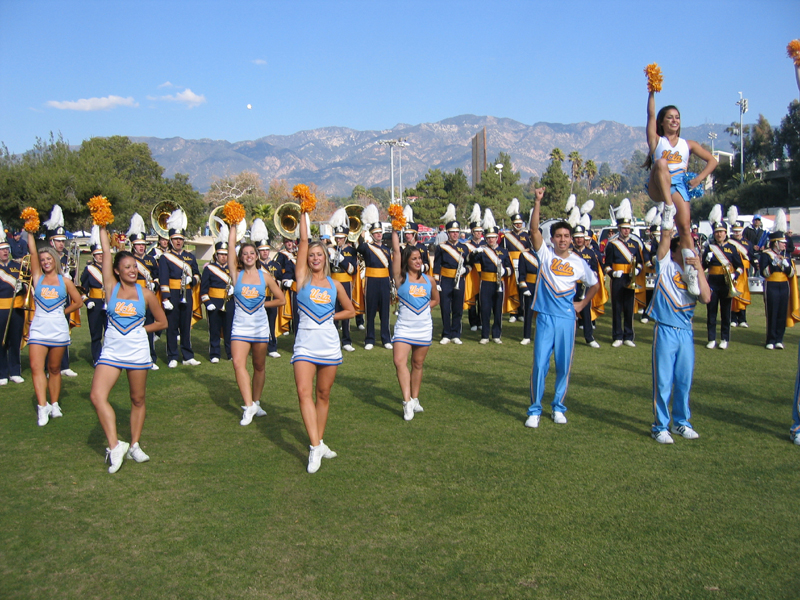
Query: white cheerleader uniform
column 317, row 340
column 49, row 327
column 414, row 322
column 250, row 323
column 125, row 345
column 677, row 158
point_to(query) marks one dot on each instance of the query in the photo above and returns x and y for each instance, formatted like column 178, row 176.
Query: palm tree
column 557, row 154
column 590, row 172
column 577, row 167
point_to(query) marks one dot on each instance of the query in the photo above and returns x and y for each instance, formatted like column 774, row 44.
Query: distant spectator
column 19, row 247
column 754, row 232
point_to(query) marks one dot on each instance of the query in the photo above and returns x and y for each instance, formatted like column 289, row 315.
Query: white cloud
column 166, row 84
column 260, row 62
column 187, row 97
column 92, row 104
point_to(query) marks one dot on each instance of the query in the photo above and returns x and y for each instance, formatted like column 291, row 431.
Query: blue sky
column 189, row 69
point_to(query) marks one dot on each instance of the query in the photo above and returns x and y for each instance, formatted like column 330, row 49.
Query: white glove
column 709, row 256
column 211, row 308
column 90, row 305
column 230, row 290
column 502, row 271
column 287, row 283
column 167, row 305
column 637, row 271
column 617, row 274
column 526, row 293
column 438, row 287
column 340, row 256
column 187, row 280
column 479, row 250
column 776, row 262
column 785, row 263
column 461, row 272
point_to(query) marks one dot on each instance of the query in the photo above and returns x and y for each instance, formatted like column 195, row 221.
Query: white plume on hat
column 2, row 233
column 408, row 213
column 587, row 207
column 94, row 238
column 586, row 221
column 258, row 231
column 780, row 222
column 570, row 203
column 513, row 207
column 715, row 216
column 177, row 220
column 339, row 218
column 651, row 215
column 488, row 219
column 223, row 231
column 137, row 225
column 625, row 210
column 449, row 214
column 475, row 215
column 371, row 215
column 574, row 217
column 56, row 218
column 733, row 215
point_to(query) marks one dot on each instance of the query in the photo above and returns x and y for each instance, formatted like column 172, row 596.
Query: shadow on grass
column 370, row 394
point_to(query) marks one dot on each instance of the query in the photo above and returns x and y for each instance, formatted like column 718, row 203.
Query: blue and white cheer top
column 250, row 323
column 317, row 340
column 414, row 322
column 49, row 326
column 125, row 344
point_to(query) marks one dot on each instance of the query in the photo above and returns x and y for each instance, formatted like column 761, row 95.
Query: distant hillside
column 338, row 158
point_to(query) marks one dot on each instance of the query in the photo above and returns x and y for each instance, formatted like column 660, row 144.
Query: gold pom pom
column 398, row 219
column 304, row 197
column 100, row 209
column 233, row 213
column 654, row 77
column 31, row 218
column 793, row 52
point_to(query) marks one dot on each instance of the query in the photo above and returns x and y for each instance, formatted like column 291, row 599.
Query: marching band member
column 260, row 237
column 162, row 246
column 410, row 234
column 55, row 296
column 413, row 331
column 344, row 267
column 495, row 264
column 316, row 348
column 57, row 237
column 473, row 281
column 780, row 285
column 147, row 278
column 12, row 317
column 125, row 348
column 586, row 253
column 449, row 269
column 672, row 309
column 623, row 261
column 560, row 270
column 649, row 253
column 746, row 254
column 516, row 242
column 287, row 259
column 378, row 261
column 94, row 298
column 719, row 257
column 214, row 284
column 528, row 274
column 250, row 331
column 178, row 275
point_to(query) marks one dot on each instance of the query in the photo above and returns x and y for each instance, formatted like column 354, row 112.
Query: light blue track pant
column 673, row 367
column 554, row 335
column 796, row 405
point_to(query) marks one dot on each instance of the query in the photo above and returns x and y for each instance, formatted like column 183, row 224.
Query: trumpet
column 632, row 285
column 730, row 281
column 73, row 260
column 187, row 273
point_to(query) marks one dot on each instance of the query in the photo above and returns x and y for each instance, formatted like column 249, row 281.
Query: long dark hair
column 404, row 258
column 660, row 130
column 240, row 264
column 118, row 259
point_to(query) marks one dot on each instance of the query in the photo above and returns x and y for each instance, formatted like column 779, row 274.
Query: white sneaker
column 616, row 343
column 4, row 381
column 692, row 283
column 417, row 405
column 314, row 457
column 388, row 346
column 457, row 341
column 172, row 364
column 644, row 320
column 532, row 421
column 685, row 431
column 154, row 367
column 745, row 325
column 770, row 346
column 711, row 345
column 594, row 344
column 214, row 360
column 444, row 341
column 192, row 362
column 69, row 373
column 116, row 455
column 55, row 411
column 474, row 328
column 260, row 412
column 559, row 418
column 779, row 346
column 44, row 415
column 723, row 345
column 795, row 437
column 512, row 319
column 326, row 451
column 285, row 333
column 274, row 355
column 368, row 347
column 248, row 414
column 525, row 341
column 663, row 437
column 408, row 410
column 361, row 328
column 497, row 340
column 346, row 348
column 629, row 343
column 733, row 324
column 137, row 454
column 17, row 379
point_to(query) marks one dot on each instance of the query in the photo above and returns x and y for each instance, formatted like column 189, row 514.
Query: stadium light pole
column 498, row 168
column 712, row 136
column 742, row 104
column 391, row 144
column 401, row 143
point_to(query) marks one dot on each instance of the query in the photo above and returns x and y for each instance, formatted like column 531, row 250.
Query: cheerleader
column 125, row 347
column 250, row 330
column 413, row 331
column 48, row 337
column 316, row 348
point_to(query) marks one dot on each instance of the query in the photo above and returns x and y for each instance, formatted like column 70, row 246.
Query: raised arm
column 664, row 243
column 36, row 266
column 108, row 264
column 302, row 251
column 396, row 263
column 711, row 163
column 233, row 260
column 536, row 236
column 652, row 134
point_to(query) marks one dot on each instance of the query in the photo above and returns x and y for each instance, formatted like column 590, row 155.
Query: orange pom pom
column 654, row 77
column 31, row 218
column 233, row 213
column 303, row 195
column 100, row 209
column 793, row 52
column 398, row 219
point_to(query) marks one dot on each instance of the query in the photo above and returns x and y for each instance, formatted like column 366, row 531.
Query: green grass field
column 461, row 502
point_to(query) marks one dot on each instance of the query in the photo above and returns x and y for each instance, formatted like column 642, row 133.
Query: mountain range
column 337, row 159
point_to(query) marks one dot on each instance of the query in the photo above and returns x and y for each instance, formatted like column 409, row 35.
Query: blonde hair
column 326, row 269
column 56, row 258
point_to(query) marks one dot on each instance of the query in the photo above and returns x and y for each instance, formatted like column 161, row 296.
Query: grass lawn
column 461, row 502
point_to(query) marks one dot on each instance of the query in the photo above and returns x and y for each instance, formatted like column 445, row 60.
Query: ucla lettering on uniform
column 561, row 268
column 49, row 293
column 249, row 292
column 125, row 309
column 417, row 291
column 673, row 157
column 678, row 280
column 319, row 296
